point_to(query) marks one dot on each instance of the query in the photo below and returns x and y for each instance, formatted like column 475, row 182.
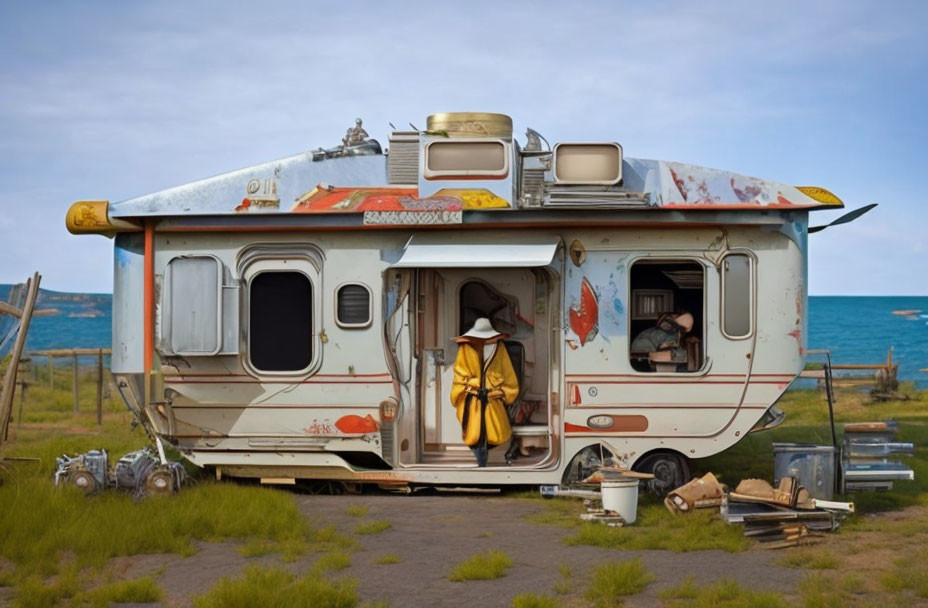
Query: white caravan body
column 295, row 320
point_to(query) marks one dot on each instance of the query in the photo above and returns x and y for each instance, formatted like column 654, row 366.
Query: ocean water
column 856, row 329
column 862, row 329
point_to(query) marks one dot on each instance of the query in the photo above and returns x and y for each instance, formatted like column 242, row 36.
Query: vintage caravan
column 296, row 319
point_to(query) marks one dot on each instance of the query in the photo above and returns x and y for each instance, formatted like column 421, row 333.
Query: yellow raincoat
column 500, row 382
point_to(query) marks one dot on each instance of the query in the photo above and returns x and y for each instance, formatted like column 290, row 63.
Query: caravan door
column 520, row 299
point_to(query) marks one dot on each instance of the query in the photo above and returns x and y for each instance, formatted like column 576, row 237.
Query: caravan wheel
column 670, row 470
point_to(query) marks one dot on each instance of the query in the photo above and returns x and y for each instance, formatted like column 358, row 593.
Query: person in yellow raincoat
column 484, row 383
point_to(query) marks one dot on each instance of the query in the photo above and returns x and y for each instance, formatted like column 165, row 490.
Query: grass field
column 56, row 543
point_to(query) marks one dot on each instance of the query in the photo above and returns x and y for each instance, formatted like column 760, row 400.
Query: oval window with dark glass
column 353, row 306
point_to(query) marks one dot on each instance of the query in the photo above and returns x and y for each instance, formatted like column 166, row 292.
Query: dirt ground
column 432, row 534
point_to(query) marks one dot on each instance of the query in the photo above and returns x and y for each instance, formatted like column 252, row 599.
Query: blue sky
column 113, row 100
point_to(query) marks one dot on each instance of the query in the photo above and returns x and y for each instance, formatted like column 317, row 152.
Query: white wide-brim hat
column 482, row 329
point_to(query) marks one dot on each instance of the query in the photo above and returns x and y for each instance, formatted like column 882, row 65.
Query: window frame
column 670, row 259
column 306, row 266
column 370, row 306
column 752, row 293
column 467, row 173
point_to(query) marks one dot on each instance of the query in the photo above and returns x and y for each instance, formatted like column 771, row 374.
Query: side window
column 737, row 296
column 353, row 305
column 193, row 320
column 280, row 335
column 667, row 322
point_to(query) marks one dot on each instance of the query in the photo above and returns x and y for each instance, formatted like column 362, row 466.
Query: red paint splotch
column 246, row 203
column 584, row 318
column 354, row 425
column 576, row 428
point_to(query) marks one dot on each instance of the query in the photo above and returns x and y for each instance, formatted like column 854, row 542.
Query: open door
column 520, row 301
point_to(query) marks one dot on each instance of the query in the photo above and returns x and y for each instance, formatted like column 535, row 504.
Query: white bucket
column 621, row 497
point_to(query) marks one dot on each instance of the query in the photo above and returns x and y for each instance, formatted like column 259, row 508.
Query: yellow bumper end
column 91, row 217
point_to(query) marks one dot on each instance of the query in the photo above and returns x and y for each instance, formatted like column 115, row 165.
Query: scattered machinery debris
column 141, row 472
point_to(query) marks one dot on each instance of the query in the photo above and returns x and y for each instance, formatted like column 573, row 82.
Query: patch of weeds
column 483, row 566
column 854, row 583
column 613, row 580
column 910, row 573
column 337, row 560
column 256, row 547
column 40, row 522
column 372, row 527
column 141, row 591
column 328, row 537
column 356, row 511
column 726, row 593
column 277, row 587
column 385, row 560
column 33, row 592
column 813, row 560
column 818, row 591
column 485, row 535
column 659, row 529
column 533, row 600
column 561, row 512
column 292, row 549
column 563, row 586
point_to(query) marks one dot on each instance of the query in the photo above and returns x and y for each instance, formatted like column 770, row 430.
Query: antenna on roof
column 414, row 127
column 392, row 126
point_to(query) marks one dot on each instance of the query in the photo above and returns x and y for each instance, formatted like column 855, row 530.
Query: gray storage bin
column 813, row 465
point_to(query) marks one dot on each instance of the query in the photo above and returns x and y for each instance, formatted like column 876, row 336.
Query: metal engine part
column 88, row 472
column 132, row 470
column 166, row 479
column 139, row 472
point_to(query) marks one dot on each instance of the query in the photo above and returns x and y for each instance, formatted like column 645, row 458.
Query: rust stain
column 798, row 335
column 748, row 195
column 681, row 185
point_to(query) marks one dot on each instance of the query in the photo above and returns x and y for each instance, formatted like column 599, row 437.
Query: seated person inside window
column 665, row 343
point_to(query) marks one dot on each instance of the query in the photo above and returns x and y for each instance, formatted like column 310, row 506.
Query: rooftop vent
column 403, row 159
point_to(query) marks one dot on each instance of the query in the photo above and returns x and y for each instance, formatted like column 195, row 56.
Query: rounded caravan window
column 737, row 296
column 353, row 305
column 280, row 322
column 282, row 311
column 667, row 319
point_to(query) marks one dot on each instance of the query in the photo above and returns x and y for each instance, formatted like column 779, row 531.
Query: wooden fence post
column 74, row 365
column 100, row 386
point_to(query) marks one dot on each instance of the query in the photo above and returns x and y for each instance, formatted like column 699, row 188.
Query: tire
column 670, row 470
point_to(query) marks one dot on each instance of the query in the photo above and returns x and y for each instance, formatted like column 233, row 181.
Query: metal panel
column 128, row 319
column 425, row 252
column 195, row 285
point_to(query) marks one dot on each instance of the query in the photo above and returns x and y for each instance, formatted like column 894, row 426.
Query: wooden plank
column 11, row 310
column 9, row 381
column 67, row 352
column 100, row 387
column 75, row 370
